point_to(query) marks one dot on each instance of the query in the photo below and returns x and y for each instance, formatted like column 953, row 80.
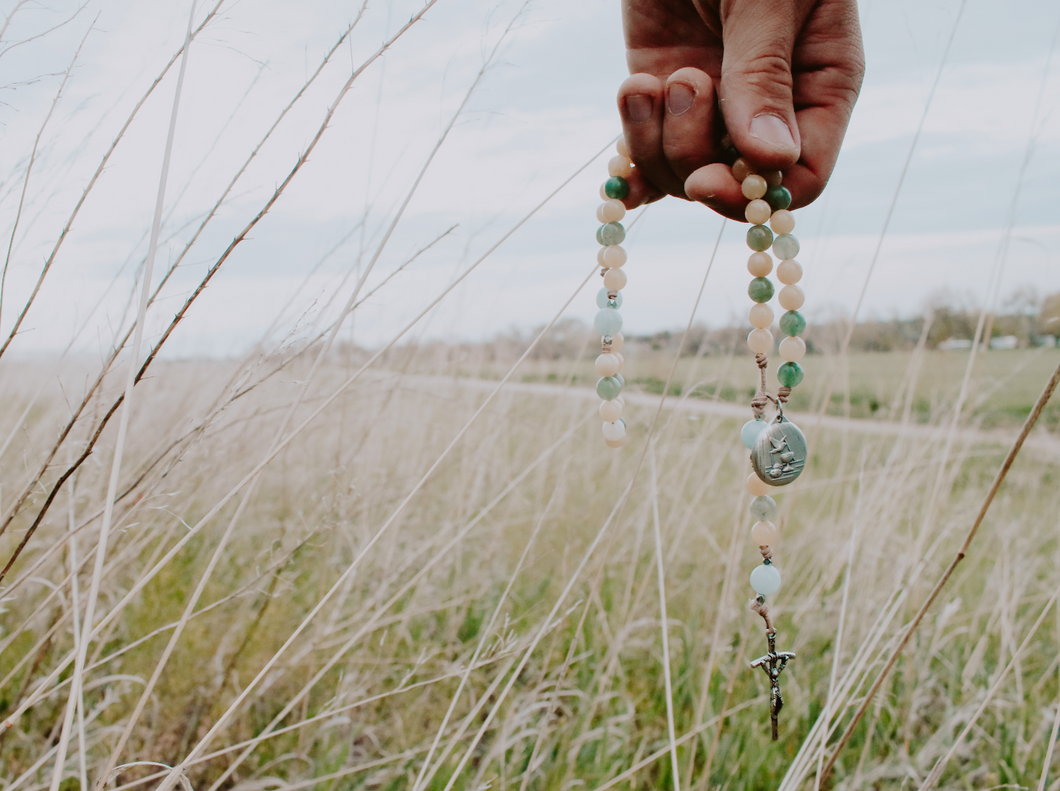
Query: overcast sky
column 544, row 108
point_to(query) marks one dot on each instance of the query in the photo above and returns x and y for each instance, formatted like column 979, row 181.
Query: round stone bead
column 621, row 147
column 601, row 299
column 764, row 534
column 608, row 321
column 618, row 340
column 789, row 272
column 614, row 210
column 760, row 289
column 749, row 432
column 600, row 256
column 614, row 431
column 757, row 212
column 615, row 443
column 789, row 374
column 607, row 364
column 773, row 178
column 614, row 256
column 759, row 264
column 618, row 187
column 792, row 323
column 763, row 508
column 760, row 341
column 759, row 237
column 786, row 246
column 760, row 315
column 603, row 192
column 619, row 166
column 757, row 486
column 600, row 213
column 765, row 580
column 782, row 221
column 615, row 280
column 621, row 359
column 612, row 233
column 754, row 186
column 621, row 379
column 608, row 388
column 778, row 197
column 610, row 411
column 791, row 297
column 793, row 349
column 741, row 169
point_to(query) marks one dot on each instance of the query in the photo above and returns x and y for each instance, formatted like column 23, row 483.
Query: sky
column 979, row 194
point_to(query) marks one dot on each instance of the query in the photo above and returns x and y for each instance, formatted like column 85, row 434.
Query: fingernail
column 638, row 108
column 772, row 129
column 679, row 98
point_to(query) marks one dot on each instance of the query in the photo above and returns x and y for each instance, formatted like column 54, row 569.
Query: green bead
column 621, row 379
column 786, row 246
column 612, row 233
column 759, row 238
column 608, row 388
column 616, row 187
column 789, row 374
column 792, row 323
column 778, row 198
column 760, row 289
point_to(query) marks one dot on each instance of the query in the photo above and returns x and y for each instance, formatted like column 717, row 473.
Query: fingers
column 641, row 104
column 690, row 132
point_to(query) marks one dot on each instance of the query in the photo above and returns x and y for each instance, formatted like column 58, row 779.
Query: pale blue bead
column 785, row 246
column 750, row 431
column 765, row 580
column 763, row 509
column 608, row 322
column 601, row 298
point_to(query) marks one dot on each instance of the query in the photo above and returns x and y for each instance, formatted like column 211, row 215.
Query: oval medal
column 779, row 453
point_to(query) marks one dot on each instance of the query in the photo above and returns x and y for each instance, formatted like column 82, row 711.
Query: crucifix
column 773, row 664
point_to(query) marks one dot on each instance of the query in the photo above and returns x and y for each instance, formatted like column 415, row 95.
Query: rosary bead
column 757, row 212
column 749, row 432
column 760, row 289
column 786, row 246
column 757, row 486
column 611, row 411
column 614, row 256
column 621, row 147
column 741, row 169
column 614, row 210
column 793, row 349
column 619, row 166
column 615, row 280
column 764, row 534
column 759, row 264
column 611, row 234
column 615, row 443
column 608, row 388
column 773, row 178
column 615, row 431
column 617, row 187
column 789, row 374
column 789, row 272
column 791, row 297
column 601, row 299
column 617, row 341
column 792, row 323
column 778, row 197
column 600, row 256
column 621, row 359
column 621, row 379
column 763, row 508
column 600, row 213
column 608, row 321
column 759, row 237
column 607, row 364
column 603, row 192
column 760, row 341
column 765, row 580
column 754, row 186
column 782, row 221
column 760, row 315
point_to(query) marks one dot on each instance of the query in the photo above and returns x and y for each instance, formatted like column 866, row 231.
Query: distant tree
column 1049, row 315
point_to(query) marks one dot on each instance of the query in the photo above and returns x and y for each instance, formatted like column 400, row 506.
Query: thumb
column 756, row 83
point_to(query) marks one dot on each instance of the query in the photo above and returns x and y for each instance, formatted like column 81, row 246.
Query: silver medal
column 779, row 453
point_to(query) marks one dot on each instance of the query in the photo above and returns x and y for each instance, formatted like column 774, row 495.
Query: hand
column 785, row 73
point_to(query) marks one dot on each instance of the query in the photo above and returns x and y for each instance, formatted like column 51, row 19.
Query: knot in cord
column 763, row 609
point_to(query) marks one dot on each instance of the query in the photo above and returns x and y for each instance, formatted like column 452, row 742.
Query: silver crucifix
column 773, row 664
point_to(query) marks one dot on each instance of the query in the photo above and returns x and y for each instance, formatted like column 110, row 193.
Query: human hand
column 785, row 74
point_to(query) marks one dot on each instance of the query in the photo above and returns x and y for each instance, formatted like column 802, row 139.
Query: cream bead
column 610, row 411
column 789, row 272
column 741, row 169
column 793, row 349
column 773, row 177
column 791, row 297
column 759, row 264
column 754, row 186
column 617, row 342
column 612, row 210
column 782, row 221
column 760, row 341
column 615, row 431
column 760, row 315
column 621, row 147
column 614, row 256
column 757, row 486
column 619, row 167
column 764, row 534
column 615, row 443
column 607, row 364
column 621, row 400
column 600, row 256
column 600, row 213
column 757, row 212
column 603, row 191
column 614, row 280
column 621, row 360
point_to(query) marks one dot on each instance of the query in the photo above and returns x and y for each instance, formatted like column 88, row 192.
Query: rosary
column 778, row 447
